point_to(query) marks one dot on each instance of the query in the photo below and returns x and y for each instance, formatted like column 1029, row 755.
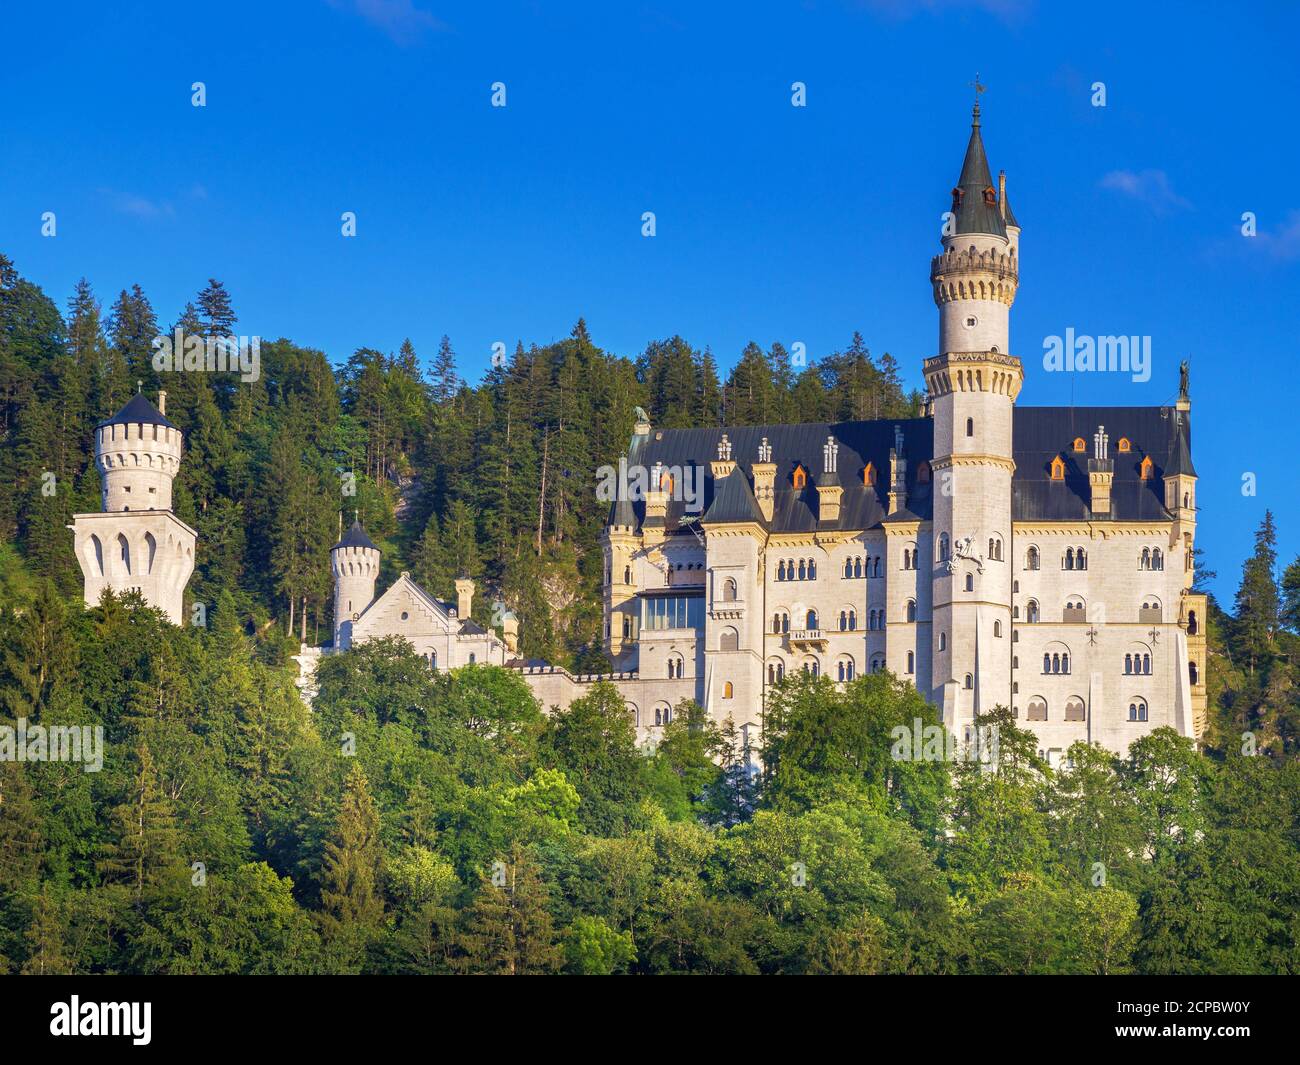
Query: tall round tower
column 974, row 382
column 355, row 562
column 138, row 453
column 135, row 543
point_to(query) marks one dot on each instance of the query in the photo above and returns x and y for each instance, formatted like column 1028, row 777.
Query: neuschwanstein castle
column 990, row 553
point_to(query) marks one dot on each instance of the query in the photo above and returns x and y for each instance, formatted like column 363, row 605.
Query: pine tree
column 146, row 850
column 46, row 938
column 350, row 899
column 1257, row 597
column 444, row 382
column 508, row 930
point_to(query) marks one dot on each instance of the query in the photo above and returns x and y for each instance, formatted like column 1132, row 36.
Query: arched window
column 877, row 573
column 727, row 690
column 728, row 591
column 1031, row 612
column 803, row 570
column 124, row 551
column 1047, row 663
column 1079, row 446
column 799, row 478
column 877, row 663
column 1191, row 623
column 811, row 619
column 1069, row 558
column 911, row 610
column 844, row 621
column 853, row 621
column 911, row 662
column 1037, row 710
column 812, row 666
column 1146, row 664
column 1157, row 558
column 943, row 641
column 848, row 567
column 943, row 547
column 1137, row 710
column 844, row 669
column 775, row 672
column 780, row 570
column 997, row 629
column 675, row 667
column 1031, row 558
column 433, row 661
column 812, row 569
column 627, row 574
column 1058, row 468
column 472, row 658
column 729, row 640
column 969, row 682
column 970, row 426
column 1192, row 675
column 1074, row 709
column 970, row 582
column 1080, row 558
column 857, row 567
column 1125, row 445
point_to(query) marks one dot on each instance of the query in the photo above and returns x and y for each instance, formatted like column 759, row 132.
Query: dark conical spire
column 1180, row 451
column 975, row 199
column 356, row 537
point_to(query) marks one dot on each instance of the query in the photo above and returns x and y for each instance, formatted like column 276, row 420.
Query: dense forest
column 419, row 822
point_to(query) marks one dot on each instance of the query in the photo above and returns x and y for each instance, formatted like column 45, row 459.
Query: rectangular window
column 672, row 612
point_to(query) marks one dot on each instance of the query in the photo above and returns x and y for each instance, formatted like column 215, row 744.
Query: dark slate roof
column 1040, row 434
column 794, row 510
column 1180, row 451
column 973, row 214
column 733, row 500
column 138, row 411
column 1011, row 216
column 356, row 537
column 471, row 628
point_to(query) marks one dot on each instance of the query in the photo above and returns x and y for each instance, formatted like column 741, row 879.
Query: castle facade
column 990, row 553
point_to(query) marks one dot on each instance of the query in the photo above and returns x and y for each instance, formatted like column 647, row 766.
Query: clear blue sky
column 774, row 223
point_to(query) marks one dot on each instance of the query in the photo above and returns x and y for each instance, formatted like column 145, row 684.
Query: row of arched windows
column 1056, row 662
column 848, row 621
column 1075, row 709
column 1139, row 663
column 804, row 569
column 858, row 567
column 1076, row 558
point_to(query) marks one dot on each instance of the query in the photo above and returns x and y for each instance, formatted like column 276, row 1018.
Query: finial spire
column 979, row 88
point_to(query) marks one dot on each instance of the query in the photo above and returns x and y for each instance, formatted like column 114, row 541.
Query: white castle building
column 135, row 542
column 1038, row 558
column 990, row 553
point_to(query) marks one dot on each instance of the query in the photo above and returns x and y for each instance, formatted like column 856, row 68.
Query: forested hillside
column 495, row 479
column 420, row 822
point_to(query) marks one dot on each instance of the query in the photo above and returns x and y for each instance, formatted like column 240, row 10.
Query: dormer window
column 799, row 478
column 869, row 475
column 666, row 482
column 1146, row 469
column 923, row 473
column 1058, row 469
column 1079, row 445
column 990, row 196
column 1125, row 445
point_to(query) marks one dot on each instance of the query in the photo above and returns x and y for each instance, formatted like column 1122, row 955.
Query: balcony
column 807, row 638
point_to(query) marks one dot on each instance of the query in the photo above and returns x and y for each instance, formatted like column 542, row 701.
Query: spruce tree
column 350, row 901
column 1257, row 596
